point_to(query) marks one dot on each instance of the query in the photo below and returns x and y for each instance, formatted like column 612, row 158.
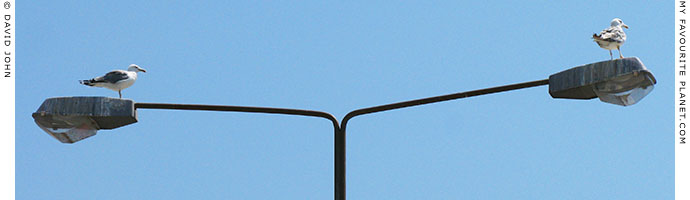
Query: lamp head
column 71, row 119
column 622, row 82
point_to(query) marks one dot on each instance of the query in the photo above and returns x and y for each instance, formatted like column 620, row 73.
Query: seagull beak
column 625, row 26
column 143, row 70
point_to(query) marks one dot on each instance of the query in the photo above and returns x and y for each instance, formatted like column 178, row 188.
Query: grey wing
column 112, row 77
column 613, row 35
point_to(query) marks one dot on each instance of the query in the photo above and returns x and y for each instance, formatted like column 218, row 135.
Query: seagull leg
column 120, row 93
column 619, row 51
column 611, row 54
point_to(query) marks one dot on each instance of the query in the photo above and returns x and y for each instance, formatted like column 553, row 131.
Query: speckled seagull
column 612, row 37
column 116, row 80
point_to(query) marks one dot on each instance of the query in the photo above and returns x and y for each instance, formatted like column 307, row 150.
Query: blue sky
column 337, row 57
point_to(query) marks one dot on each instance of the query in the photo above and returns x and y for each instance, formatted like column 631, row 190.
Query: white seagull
column 116, row 80
column 612, row 37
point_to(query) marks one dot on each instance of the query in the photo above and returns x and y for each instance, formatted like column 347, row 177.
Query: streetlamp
column 70, row 119
column 622, row 81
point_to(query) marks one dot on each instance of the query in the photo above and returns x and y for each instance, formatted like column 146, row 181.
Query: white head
column 135, row 68
column 618, row 22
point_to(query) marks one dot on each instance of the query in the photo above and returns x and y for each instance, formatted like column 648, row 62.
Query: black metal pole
column 339, row 159
column 441, row 98
column 340, row 137
column 339, row 165
column 247, row 109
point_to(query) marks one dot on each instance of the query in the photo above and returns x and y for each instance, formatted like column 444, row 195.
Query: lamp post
column 622, row 81
column 71, row 119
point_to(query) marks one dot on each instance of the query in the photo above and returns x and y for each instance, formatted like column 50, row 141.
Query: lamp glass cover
column 625, row 90
column 69, row 129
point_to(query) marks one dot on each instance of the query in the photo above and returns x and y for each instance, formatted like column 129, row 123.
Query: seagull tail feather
column 87, row 82
column 596, row 37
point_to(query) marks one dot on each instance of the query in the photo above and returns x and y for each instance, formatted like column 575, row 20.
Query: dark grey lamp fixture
column 622, row 81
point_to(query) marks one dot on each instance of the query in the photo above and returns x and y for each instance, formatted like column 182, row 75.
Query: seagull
column 612, row 37
column 116, row 80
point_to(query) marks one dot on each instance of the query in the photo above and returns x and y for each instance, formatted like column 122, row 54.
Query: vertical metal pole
column 339, row 164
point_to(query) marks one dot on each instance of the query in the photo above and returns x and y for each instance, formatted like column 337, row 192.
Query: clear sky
column 336, row 57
